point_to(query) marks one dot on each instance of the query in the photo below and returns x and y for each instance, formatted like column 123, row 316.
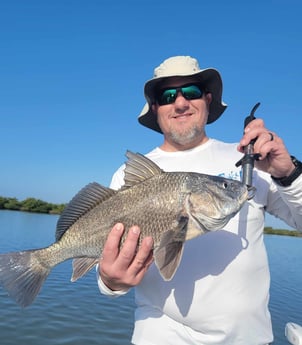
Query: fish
column 171, row 207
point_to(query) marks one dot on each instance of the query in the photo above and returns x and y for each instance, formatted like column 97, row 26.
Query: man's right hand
column 125, row 267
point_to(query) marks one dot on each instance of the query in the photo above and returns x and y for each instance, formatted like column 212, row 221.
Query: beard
column 187, row 136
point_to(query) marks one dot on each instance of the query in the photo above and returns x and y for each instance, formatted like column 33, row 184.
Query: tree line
column 271, row 231
column 30, row 205
column 40, row 206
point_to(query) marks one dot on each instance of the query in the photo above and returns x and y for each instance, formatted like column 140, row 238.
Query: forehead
column 177, row 81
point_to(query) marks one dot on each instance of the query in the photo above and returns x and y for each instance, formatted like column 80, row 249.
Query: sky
column 72, row 74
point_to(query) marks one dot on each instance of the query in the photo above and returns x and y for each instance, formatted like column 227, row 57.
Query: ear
column 209, row 98
column 154, row 108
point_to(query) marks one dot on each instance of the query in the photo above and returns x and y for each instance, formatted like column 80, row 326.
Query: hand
column 274, row 158
column 123, row 268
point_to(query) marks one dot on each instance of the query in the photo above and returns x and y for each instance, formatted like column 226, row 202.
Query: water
column 76, row 314
column 285, row 257
column 64, row 312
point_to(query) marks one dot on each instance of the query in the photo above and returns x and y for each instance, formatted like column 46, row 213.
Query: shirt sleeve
column 105, row 289
column 286, row 203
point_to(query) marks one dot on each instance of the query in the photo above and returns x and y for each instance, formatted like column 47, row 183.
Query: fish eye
column 225, row 185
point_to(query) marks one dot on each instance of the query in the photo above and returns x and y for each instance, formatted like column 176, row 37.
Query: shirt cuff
column 105, row 289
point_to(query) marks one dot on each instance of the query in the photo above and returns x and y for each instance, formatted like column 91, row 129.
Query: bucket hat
column 182, row 66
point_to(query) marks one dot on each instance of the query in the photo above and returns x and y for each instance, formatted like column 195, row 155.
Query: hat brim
column 209, row 78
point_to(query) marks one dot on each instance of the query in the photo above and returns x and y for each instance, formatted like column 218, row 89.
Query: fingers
column 129, row 248
column 274, row 157
column 264, row 140
column 122, row 268
column 265, row 143
column 111, row 248
column 252, row 131
column 143, row 259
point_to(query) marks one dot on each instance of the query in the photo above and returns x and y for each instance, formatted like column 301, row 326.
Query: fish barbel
column 171, row 207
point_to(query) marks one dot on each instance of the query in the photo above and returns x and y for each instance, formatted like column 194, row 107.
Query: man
column 220, row 292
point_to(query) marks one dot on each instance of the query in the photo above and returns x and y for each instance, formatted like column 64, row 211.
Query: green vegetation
column 269, row 230
column 30, row 205
column 39, row 206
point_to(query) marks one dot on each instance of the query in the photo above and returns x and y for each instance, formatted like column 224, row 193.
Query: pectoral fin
column 167, row 257
column 169, row 252
column 81, row 266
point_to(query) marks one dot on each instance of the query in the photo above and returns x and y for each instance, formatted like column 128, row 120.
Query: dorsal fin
column 85, row 200
column 139, row 168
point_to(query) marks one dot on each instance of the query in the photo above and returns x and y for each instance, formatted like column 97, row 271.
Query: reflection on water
column 76, row 313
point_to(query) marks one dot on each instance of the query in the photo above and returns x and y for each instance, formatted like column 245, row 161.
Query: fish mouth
column 251, row 191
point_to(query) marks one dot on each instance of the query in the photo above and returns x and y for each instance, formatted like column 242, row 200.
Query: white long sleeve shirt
column 220, row 292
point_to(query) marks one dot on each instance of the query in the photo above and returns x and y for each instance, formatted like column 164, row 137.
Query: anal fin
column 81, row 266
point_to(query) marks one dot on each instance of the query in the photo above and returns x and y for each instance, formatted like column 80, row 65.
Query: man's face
column 183, row 121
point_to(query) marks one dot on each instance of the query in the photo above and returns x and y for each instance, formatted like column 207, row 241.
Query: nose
column 181, row 102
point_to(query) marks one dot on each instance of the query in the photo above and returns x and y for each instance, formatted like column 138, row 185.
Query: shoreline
column 268, row 230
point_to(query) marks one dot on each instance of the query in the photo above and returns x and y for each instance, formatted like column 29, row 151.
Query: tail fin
column 22, row 275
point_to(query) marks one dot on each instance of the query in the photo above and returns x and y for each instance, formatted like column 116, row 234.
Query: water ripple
column 66, row 313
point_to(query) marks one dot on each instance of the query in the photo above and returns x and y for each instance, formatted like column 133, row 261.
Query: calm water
column 76, row 314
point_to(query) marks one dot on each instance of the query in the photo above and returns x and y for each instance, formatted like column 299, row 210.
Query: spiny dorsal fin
column 139, row 168
column 85, row 200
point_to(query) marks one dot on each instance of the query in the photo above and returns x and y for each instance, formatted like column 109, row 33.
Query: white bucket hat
column 182, row 66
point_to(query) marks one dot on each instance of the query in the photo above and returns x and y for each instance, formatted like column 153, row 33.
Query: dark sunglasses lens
column 191, row 92
column 167, row 97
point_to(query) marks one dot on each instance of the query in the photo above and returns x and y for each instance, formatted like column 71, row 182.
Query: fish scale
column 171, row 207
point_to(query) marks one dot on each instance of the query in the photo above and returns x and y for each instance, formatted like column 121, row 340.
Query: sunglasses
column 168, row 96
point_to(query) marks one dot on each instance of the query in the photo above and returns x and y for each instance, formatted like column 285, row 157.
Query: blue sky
column 72, row 75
